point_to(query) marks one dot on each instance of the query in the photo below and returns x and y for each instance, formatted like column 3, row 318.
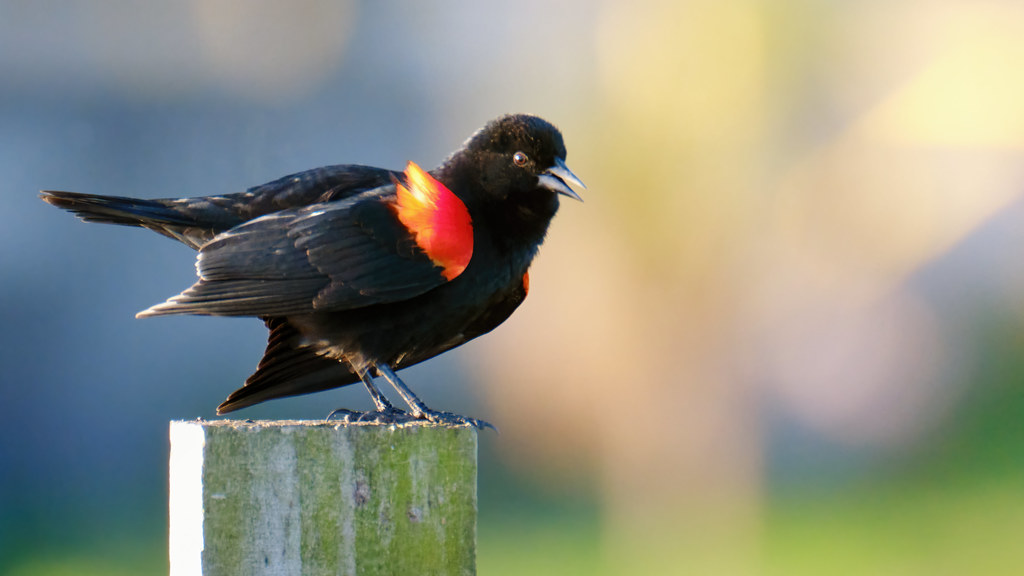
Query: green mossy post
column 313, row 497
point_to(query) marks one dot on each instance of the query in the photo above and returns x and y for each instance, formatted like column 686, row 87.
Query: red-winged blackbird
column 357, row 269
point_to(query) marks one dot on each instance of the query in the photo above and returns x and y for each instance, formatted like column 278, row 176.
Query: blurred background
column 783, row 335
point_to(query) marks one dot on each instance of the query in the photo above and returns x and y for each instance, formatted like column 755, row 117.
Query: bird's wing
column 325, row 184
column 325, row 257
column 195, row 221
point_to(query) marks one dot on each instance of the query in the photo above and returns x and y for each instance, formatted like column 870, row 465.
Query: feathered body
column 355, row 268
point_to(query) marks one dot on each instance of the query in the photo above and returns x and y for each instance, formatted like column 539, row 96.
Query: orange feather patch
column 437, row 219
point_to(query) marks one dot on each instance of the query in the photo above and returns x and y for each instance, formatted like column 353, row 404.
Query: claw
column 451, row 419
column 345, row 413
column 389, row 415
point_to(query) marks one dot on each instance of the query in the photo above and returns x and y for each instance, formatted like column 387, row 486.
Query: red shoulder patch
column 437, row 219
column 526, row 283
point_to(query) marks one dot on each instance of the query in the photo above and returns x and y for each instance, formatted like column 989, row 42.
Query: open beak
column 559, row 177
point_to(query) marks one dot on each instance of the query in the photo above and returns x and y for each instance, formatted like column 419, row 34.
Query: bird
column 359, row 271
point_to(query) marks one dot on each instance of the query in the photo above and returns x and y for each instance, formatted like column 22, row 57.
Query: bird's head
column 520, row 152
column 512, row 171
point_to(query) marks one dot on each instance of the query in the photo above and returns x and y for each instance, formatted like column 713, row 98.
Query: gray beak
column 559, row 177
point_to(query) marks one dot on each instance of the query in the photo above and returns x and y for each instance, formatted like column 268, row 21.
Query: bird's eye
column 520, row 159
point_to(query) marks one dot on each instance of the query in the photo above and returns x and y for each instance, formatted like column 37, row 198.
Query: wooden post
column 315, row 497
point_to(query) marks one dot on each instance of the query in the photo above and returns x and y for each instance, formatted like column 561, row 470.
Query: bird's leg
column 385, row 411
column 419, row 409
column 379, row 400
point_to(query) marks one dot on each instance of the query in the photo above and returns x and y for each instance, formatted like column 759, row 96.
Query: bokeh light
column 782, row 334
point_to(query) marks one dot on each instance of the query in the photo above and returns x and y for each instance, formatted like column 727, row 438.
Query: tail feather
column 163, row 216
column 287, row 369
column 115, row 209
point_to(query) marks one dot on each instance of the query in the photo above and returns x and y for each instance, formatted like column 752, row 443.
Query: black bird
column 356, row 269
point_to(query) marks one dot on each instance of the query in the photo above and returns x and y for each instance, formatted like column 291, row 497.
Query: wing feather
column 325, row 257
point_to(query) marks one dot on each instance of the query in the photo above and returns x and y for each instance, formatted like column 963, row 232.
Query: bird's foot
column 450, row 419
column 418, row 409
column 389, row 415
column 344, row 415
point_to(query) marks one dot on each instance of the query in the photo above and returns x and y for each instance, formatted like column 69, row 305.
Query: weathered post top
column 318, row 497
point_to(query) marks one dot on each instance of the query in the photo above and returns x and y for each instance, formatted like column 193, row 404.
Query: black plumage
column 346, row 284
